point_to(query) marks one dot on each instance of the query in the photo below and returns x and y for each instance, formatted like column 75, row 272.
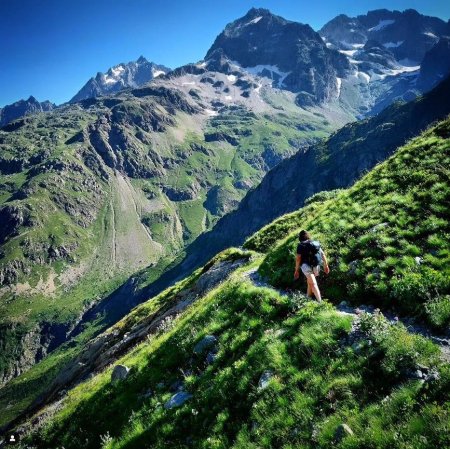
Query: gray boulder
column 415, row 374
column 120, row 372
column 265, row 379
column 432, row 376
column 177, row 400
column 352, row 266
column 205, row 344
column 342, row 431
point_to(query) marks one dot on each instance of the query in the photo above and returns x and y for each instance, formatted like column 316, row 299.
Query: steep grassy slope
column 388, row 236
column 278, row 370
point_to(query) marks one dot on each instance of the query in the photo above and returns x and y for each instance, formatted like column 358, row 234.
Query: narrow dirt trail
column 443, row 341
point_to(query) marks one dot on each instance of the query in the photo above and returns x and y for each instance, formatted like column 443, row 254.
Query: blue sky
column 50, row 48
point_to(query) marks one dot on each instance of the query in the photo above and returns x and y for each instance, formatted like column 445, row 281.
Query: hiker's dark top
column 304, row 250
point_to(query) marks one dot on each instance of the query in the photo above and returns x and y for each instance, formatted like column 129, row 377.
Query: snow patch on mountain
column 211, row 113
column 350, row 46
column 272, row 70
column 364, row 76
column 401, row 70
column 382, row 24
column 428, row 33
column 393, row 44
column 116, row 71
column 348, row 52
column 339, row 85
column 254, row 21
column 404, row 69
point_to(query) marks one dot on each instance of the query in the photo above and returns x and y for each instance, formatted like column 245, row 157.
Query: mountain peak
column 407, row 34
column 131, row 74
column 255, row 12
column 142, row 60
column 411, row 12
column 295, row 51
column 21, row 108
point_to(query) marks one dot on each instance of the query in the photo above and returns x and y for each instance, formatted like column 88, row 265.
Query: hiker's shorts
column 308, row 270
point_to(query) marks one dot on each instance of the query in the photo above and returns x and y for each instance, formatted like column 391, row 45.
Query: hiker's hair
column 304, row 235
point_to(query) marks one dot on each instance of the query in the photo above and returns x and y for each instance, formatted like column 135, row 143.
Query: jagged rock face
column 12, row 218
column 376, row 57
column 294, row 52
column 408, row 34
column 436, row 65
column 23, row 108
column 112, row 138
column 132, row 74
column 29, row 345
column 363, row 63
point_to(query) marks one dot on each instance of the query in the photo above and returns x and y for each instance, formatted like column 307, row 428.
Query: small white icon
column 12, row 439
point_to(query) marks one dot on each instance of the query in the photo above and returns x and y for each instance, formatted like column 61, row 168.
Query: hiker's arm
column 326, row 268
column 298, row 261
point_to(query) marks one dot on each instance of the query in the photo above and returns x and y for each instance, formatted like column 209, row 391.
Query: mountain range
column 363, row 62
column 147, row 173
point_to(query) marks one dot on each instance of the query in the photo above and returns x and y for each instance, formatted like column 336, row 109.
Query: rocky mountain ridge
column 362, row 73
column 408, row 35
column 23, row 108
column 125, row 75
column 292, row 54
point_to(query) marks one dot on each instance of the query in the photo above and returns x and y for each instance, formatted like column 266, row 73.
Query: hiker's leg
column 312, row 283
column 307, row 271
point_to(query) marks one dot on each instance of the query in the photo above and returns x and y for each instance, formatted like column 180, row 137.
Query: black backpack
column 312, row 253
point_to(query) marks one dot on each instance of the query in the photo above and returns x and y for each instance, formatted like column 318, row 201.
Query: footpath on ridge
column 443, row 341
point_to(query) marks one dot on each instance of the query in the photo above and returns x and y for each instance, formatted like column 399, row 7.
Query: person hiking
column 309, row 256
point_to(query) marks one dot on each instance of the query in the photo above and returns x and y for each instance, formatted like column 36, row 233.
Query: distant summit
column 291, row 53
column 132, row 74
column 22, row 108
column 408, row 34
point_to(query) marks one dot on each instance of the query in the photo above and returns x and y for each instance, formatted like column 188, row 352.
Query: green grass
column 387, row 237
column 192, row 216
column 318, row 383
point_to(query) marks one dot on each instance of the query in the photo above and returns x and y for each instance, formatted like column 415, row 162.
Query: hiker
column 309, row 256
